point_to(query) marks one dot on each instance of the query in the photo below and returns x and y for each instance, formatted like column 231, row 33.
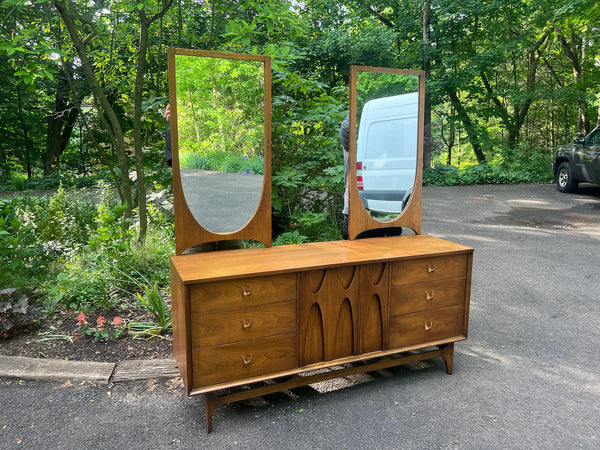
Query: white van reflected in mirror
column 386, row 152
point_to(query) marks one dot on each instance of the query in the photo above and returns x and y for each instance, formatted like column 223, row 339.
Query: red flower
column 117, row 322
column 101, row 321
column 81, row 319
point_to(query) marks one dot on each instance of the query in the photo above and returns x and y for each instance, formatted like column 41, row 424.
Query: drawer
column 411, row 298
column 429, row 269
column 253, row 322
column 426, row 326
column 238, row 293
column 242, row 360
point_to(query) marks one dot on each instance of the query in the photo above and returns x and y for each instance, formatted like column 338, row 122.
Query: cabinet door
column 374, row 307
column 328, row 312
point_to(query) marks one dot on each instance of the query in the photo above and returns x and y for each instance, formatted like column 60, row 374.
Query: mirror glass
column 221, row 148
column 387, row 119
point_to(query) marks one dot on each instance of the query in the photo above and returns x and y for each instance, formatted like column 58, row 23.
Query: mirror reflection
column 386, row 147
column 220, row 123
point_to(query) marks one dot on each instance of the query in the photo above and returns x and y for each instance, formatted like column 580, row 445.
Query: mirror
column 220, row 134
column 386, row 121
column 386, row 148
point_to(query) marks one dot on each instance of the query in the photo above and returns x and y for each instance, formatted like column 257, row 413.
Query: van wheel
column 564, row 178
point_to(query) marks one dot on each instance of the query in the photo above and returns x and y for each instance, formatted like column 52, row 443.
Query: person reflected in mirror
column 380, row 232
column 345, row 140
column 168, row 137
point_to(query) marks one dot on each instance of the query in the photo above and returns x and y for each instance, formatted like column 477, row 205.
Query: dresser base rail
column 215, row 399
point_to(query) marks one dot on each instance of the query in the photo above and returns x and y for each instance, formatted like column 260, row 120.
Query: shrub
column 72, row 252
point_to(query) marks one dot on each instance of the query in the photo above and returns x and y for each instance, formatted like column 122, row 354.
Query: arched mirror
column 386, row 121
column 220, row 135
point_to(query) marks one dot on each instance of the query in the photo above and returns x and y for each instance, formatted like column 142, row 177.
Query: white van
column 386, row 152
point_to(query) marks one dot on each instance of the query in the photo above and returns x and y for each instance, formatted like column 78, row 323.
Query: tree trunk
column 470, row 128
column 570, row 50
column 145, row 23
column 115, row 130
column 60, row 126
column 514, row 122
column 137, row 127
column 427, row 141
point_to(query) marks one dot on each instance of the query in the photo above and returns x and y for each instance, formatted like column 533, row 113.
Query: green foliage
column 75, row 253
column 222, row 161
column 308, row 178
column 441, row 175
column 154, row 302
column 289, row 238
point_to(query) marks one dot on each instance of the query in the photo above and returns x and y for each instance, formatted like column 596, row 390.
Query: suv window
column 595, row 138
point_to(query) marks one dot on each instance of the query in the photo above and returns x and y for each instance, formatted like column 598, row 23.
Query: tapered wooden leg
column 210, row 405
column 448, row 356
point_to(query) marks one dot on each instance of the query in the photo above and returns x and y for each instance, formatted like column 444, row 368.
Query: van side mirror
column 579, row 140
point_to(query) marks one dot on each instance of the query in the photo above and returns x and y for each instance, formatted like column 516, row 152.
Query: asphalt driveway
column 527, row 377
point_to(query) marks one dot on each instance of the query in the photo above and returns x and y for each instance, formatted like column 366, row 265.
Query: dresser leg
column 448, row 356
column 210, row 405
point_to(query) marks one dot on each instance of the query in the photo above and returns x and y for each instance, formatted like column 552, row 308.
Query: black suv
column 578, row 162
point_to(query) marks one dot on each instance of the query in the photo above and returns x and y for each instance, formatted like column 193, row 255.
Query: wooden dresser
column 250, row 322
column 277, row 314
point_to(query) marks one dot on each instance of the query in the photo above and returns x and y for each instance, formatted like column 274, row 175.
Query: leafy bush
column 442, row 175
column 74, row 252
column 308, row 177
column 20, row 182
column 223, row 162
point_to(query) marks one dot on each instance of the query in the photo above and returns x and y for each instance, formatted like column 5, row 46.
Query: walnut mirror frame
column 191, row 228
column 359, row 219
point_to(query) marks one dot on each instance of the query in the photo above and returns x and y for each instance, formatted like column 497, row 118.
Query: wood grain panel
column 429, row 269
column 426, row 326
column 334, row 294
column 246, row 359
column 374, row 295
column 231, row 294
column 180, row 312
column 372, row 324
column 429, row 295
column 344, row 336
column 311, row 345
column 224, row 327
column 252, row 262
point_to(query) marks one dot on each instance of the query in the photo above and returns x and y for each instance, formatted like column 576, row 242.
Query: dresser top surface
column 227, row 264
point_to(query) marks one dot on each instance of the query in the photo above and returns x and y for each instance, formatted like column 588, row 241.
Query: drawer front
column 234, row 325
column 239, row 293
column 425, row 296
column 429, row 269
column 242, row 360
column 426, row 326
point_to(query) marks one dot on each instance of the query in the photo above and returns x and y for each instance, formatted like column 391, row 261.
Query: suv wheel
column 564, row 178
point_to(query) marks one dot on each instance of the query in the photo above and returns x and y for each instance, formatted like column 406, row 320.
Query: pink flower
column 81, row 319
column 117, row 322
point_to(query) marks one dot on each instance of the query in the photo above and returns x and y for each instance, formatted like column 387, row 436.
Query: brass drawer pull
column 430, row 268
column 428, row 326
column 246, row 324
column 246, row 293
column 245, row 361
column 429, row 297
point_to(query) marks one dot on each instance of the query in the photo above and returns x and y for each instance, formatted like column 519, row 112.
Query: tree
column 115, row 129
column 145, row 23
column 576, row 30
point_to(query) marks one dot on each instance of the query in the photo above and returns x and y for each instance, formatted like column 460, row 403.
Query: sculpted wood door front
column 328, row 314
column 343, row 312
